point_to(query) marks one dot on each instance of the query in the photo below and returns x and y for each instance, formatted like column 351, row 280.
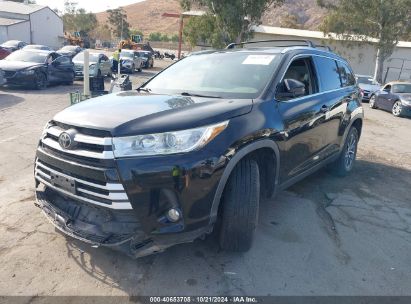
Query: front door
column 303, row 118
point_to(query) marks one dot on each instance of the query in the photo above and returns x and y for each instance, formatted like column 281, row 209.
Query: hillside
column 147, row 15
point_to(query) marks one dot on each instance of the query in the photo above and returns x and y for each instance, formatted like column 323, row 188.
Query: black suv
column 196, row 147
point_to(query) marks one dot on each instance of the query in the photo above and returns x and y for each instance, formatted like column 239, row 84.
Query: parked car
column 367, row 85
column 147, row 58
column 100, row 65
column 2, row 78
column 37, row 69
column 38, row 47
column 4, row 52
column 70, row 50
column 131, row 61
column 394, row 97
column 13, row 45
column 196, row 147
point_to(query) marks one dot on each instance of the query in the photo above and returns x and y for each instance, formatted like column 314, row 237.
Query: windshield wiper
column 143, row 90
column 198, row 95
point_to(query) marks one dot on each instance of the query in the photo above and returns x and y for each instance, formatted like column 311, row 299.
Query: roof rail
column 301, row 42
column 326, row 47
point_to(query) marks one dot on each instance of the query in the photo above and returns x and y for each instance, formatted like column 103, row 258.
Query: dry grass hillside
column 147, row 15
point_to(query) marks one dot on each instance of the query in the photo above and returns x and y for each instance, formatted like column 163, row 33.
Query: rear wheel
column 371, row 103
column 133, row 69
column 397, row 109
column 345, row 162
column 240, row 204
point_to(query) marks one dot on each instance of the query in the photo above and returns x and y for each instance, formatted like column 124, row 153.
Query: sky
column 94, row 6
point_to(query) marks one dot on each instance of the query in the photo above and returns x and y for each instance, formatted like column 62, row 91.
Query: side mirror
column 290, row 88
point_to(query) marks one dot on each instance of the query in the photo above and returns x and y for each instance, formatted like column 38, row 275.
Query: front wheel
column 345, row 162
column 397, row 109
column 240, row 203
column 40, row 81
column 371, row 103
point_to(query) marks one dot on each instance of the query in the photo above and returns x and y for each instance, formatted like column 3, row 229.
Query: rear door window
column 328, row 73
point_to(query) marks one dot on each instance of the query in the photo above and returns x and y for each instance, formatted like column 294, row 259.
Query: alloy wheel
column 350, row 151
column 397, row 108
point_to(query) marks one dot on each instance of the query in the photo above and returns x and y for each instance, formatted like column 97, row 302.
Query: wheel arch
column 260, row 151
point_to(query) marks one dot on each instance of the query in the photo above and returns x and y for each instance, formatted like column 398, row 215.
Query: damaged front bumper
column 102, row 227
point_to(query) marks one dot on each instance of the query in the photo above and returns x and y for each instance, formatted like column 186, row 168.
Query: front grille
column 9, row 74
column 88, row 147
column 87, row 183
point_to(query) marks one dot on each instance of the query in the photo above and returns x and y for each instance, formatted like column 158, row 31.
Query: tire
column 345, row 162
column 133, row 69
column 140, row 70
column 371, row 103
column 40, row 81
column 239, row 210
column 99, row 73
column 397, row 109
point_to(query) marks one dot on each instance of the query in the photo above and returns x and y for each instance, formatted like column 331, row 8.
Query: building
column 34, row 24
column 360, row 54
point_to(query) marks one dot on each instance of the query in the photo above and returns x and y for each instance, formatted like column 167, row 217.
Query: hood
column 131, row 113
column 66, row 52
column 369, row 87
column 17, row 65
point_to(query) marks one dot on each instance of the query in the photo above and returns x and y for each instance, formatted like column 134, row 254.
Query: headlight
column 166, row 143
column 27, row 72
column 44, row 132
column 92, row 67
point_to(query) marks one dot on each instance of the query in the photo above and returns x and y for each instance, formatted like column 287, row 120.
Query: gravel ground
column 324, row 236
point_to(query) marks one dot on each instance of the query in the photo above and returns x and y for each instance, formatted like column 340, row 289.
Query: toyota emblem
column 66, row 140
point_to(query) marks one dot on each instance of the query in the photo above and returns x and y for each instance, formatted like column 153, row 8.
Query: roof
column 399, row 82
column 8, row 21
column 19, row 8
column 309, row 34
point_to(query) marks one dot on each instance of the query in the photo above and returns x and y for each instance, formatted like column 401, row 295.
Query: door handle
column 324, row 109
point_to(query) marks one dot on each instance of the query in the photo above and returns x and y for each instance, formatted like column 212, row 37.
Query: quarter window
column 328, row 73
column 347, row 77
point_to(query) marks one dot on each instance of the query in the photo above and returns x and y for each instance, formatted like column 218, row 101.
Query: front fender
column 233, row 161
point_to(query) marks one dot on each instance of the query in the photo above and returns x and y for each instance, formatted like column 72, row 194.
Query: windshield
column 402, row 88
column 142, row 54
column 27, row 56
column 365, row 80
column 227, row 75
column 80, row 57
column 126, row 55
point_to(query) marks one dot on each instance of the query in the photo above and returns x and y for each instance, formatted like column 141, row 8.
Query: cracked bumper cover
column 116, row 229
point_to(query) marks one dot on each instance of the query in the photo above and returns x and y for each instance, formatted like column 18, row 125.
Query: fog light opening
column 173, row 215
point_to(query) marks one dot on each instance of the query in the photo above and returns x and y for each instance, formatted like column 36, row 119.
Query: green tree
column 165, row 38
column 382, row 22
column 77, row 19
column 117, row 18
column 225, row 21
column 154, row 36
column 174, row 38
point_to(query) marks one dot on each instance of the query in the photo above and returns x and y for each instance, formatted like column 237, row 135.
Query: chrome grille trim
column 84, row 153
column 102, row 141
column 116, row 193
column 108, row 186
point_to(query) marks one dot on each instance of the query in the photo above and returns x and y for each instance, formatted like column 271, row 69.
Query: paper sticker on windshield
column 259, row 59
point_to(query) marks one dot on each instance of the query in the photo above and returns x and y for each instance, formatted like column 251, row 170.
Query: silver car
column 367, row 85
column 131, row 61
column 99, row 65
